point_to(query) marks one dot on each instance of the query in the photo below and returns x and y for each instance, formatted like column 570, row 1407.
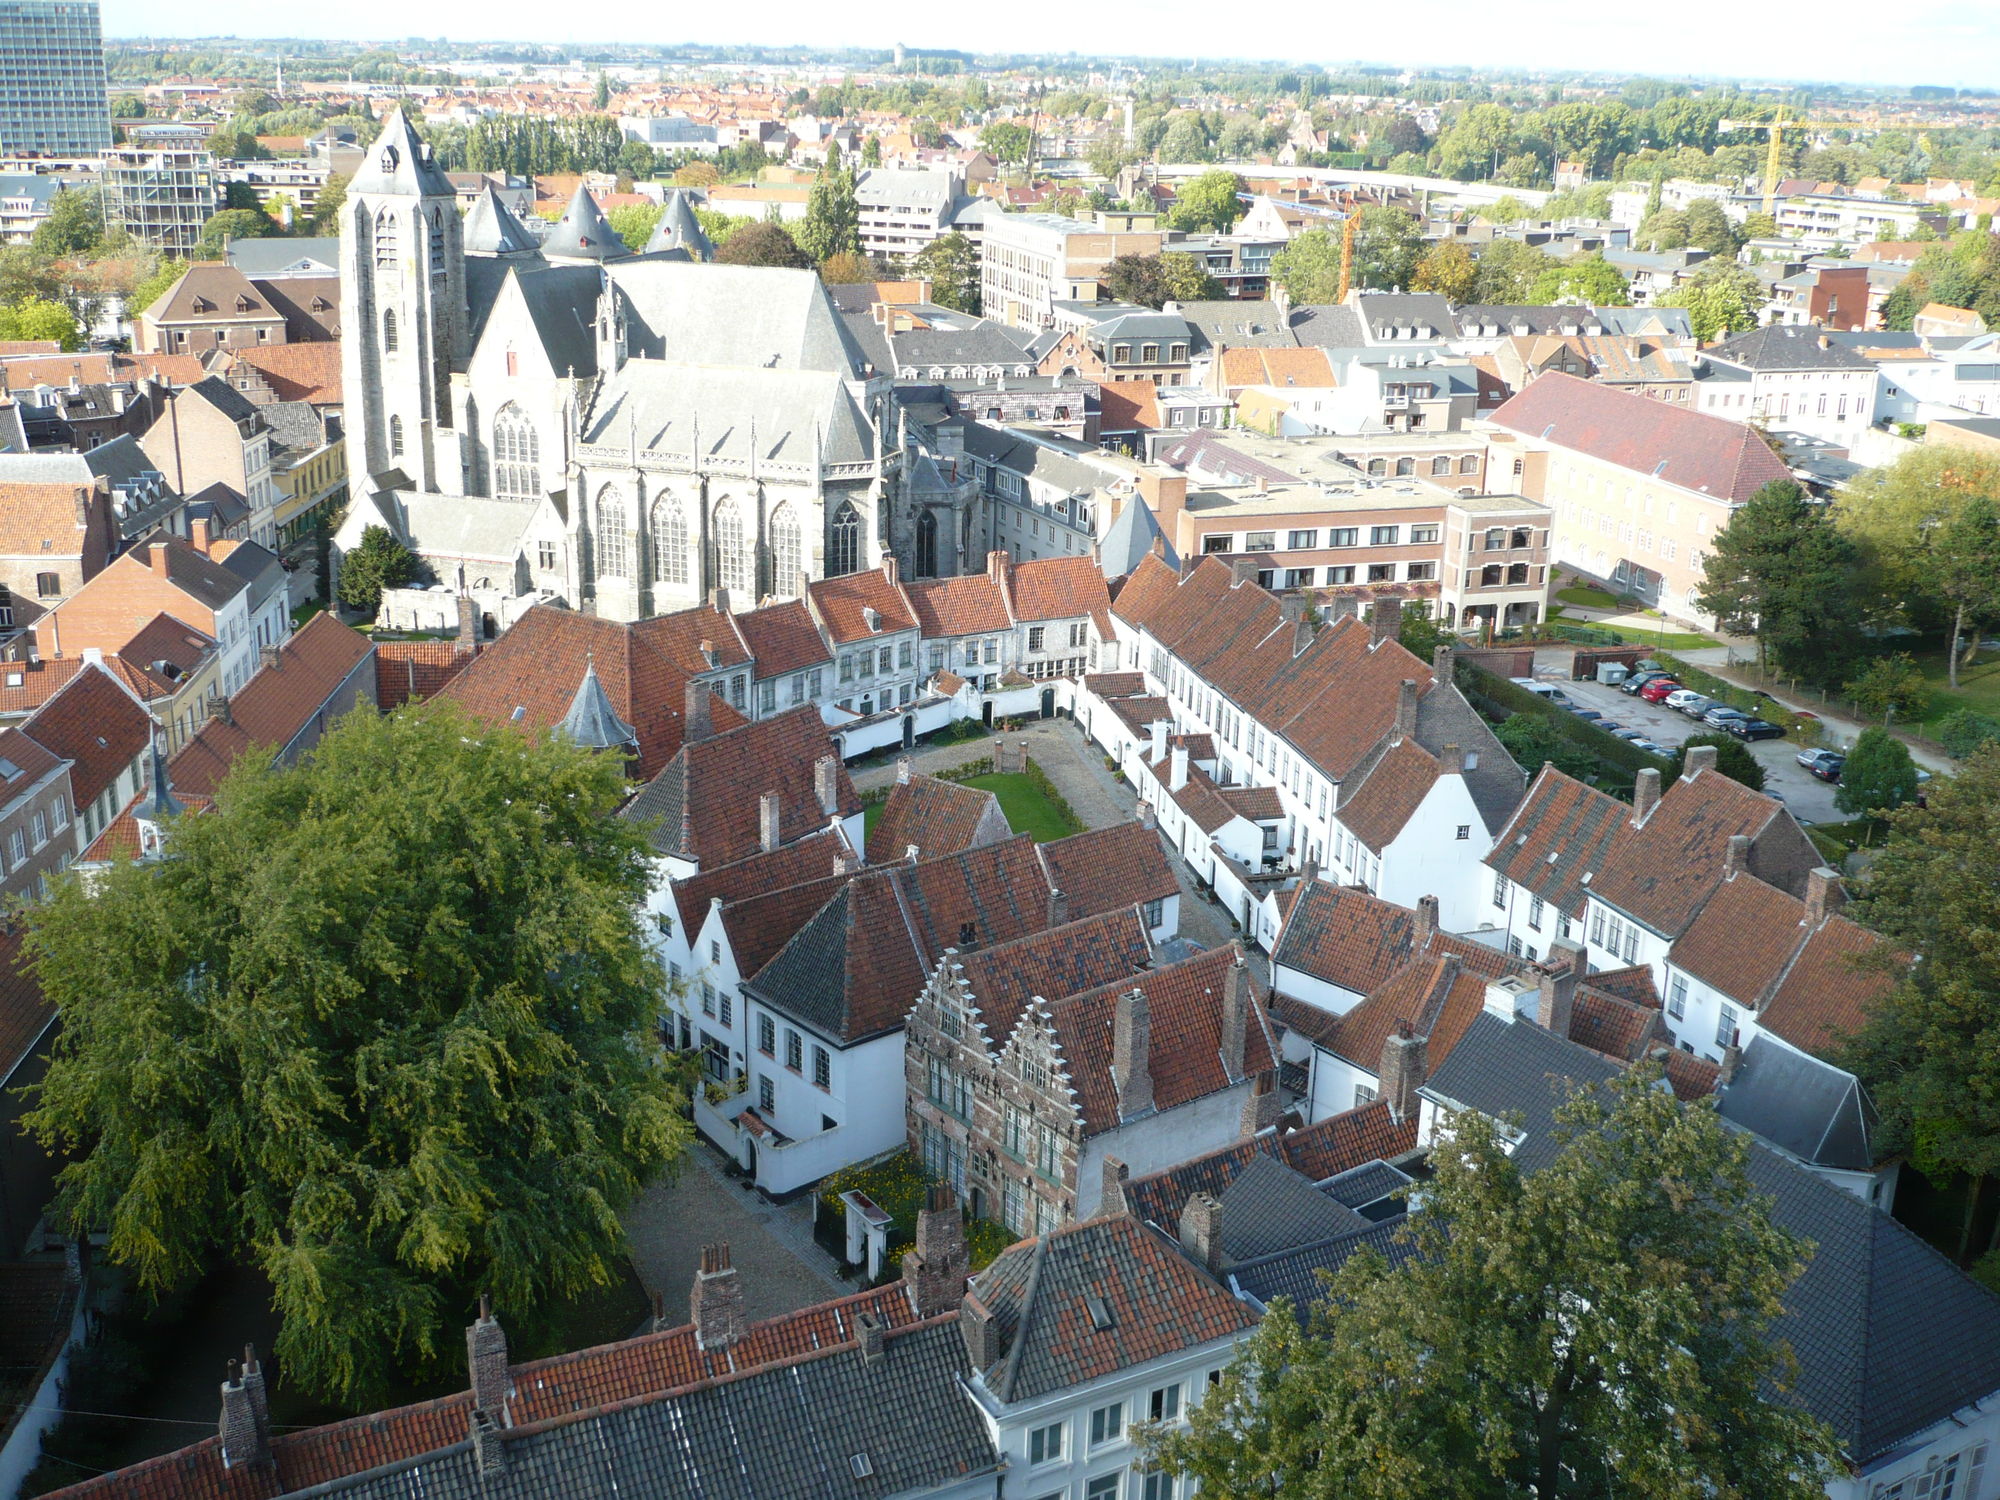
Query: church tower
column 402, row 273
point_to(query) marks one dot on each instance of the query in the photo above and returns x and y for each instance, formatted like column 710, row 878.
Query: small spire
column 592, row 721
column 162, row 805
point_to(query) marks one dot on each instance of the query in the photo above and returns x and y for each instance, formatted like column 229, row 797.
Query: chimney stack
column 1260, row 1110
column 1824, row 895
column 903, row 769
column 198, row 534
column 1405, row 1065
column 936, row 1267
column 996, row 566
column 468, row 623
column 1444, row 663
column 868, row 1338
column 698, row 725
column 826, row 785
column 1406, row 709
column 1427, row 922
column 767, row 821
column 1177, row 772
column 1736, row 858
column 981, row 1332
column 1131, row 1054
column 1111, row 1196
column 1451, row 761
column 486, row 1361
column 1201, row 1230
column 1732, row 1059
column 1243, row 570
column 1699, row 758
column 1157, row 733
column 246, row 1414
column 715, row 1301
column 158, row 558
column 1645, row 795
column 1556, row 1004
column 1058, row 909
column 1235, row 1015
column 1385, row 620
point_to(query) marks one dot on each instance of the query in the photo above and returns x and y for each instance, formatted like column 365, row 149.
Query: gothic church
column 628, row 433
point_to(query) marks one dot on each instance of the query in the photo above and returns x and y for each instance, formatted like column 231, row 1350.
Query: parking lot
column 1808, row 798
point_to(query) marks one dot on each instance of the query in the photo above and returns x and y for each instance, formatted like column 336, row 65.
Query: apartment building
column 1793, row 379
column 903, row 211
column 1030, row 262
column 53, row 98
column 162, row 198
column 211, row 434
column 1637, row 489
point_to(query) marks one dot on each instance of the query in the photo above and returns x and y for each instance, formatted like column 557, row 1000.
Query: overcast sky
column 1954, row 42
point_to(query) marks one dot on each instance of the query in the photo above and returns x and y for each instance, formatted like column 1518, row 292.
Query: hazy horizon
column 1955, row 43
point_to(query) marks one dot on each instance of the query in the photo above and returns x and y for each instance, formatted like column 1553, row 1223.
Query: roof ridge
column 1039, row 1257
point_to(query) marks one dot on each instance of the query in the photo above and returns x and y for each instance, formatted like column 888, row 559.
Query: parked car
column 1634, row 735
column 1811, row 758
column 1656, row 691
column 1638, row 680
column 1650, row 748
column 1828, row 766
column 1608, row 725
column 1689, row 702
column 1722, row 716
column 1586, row 713
column 1754, row 729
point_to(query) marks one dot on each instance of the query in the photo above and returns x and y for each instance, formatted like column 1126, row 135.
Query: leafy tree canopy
column 37, row 318
column 377, row 1026
column 1781, row 571
column 762, row 244
column 1207, row 202
column 1878, row 777
column 1732, row 758
column 1890, row 687
column 379, row 562
column 1587, row 279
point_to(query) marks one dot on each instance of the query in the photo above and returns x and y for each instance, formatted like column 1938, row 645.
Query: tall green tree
column 832, row 225
column 327, row 204
column 1448, row 269
column 1732, row 758
column 1890, row 687
column 75, row 225
column 1009, row 141
column 952, row 268
column 1308, row 267
column 762, row 244
column 1930, row 1050
column 377, row 562
column 1878, row 775
column 379, row 1028
column 1386, row 247
column 1588, row 279
column 1781, row 571
column 37, row 319
column 1608, row 1315
column 1207, row 202
column 1508, row 271
column 1901, row 514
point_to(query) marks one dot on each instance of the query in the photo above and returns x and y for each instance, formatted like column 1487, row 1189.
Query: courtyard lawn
column 1584, row 597
column 1025, row 808
column 1978, row 685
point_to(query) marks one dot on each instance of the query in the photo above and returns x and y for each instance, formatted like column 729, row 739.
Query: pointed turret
column 492, row 229
column 679, row 229
column 399, row 162
column 162, row 804
column 583, row 233
column 591, row 721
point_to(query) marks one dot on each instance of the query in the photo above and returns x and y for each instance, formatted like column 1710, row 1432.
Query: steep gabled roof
column 936, row 817
column 94, row 724
column 1359, row 942
column 782, row 638
column 1063, row 961
column 1557, row 839
column 1104, row 869
column 1824, row 996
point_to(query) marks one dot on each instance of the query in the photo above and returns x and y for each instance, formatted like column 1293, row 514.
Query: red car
column 1655, row 692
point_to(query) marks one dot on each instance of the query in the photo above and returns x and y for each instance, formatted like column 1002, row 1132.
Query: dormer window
column 243, row 303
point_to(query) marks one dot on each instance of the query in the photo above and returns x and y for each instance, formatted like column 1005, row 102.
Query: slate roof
column 1818, row 1113
column 492, row 229
column 677, row 228
column 754, row 416
column 399, row 162
column 743, row 317
column 95, row 725
column 1710, row 455
column 1154, row 1302
column 591, row 721
column 583, row 233
column 706, row 799
column 1270, row 1207
column 1889, row 1336
column 938, row 817
column 1785, row 346
column 1104, row 869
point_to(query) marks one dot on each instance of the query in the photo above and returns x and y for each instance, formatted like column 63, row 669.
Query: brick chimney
column 1406, row 709
column 1732, row 1059
column 1699, row 758
column 1132, row 1054
column 767, row 821
column 936, row 1267
column 1555, row 1004
column 1736, row 858
column 996, row 565
column 826, row 785
column 486, row 1360
column 1201, row 1229
column 1235, row 1015
column 903, row 769
column 468, row 623
column 1451, row 761
column 158, row 558
column 1645, row 795
column 981, row 1332
column 1058, row 908
column 198, row 536
column 1260, row 1110
column 1111, row 1196
column 1427, row 922
column 715, row 1301
column 1405, row 1065
column 698, row 724
column 246, row 1414
column 1444, row 663
column 868, row 1338
column 1825, row 895
column 1385, row 620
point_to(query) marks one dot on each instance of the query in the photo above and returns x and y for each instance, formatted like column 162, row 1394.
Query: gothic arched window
column 843, row 553
column 787, row 553
column 389, row 338
column 735, row 568
column 612, row 535
column 927, row 542
column 517, row 456
column 437, row 244
column 395, row 437
column 670, row 542
column 388, row 240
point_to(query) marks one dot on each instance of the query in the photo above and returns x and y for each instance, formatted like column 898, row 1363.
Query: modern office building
column 160, row 198
column 52, row 89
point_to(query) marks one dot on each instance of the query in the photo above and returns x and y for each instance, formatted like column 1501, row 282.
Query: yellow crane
column 1778, row 126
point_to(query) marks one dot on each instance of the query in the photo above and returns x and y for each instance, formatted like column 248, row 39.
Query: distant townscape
column 928, row 775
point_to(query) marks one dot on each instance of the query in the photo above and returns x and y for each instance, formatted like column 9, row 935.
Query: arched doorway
column 488, row 626
column 1048, row 703
column 909, row 730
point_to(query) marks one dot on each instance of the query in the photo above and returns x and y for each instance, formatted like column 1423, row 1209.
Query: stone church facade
column 628, row 433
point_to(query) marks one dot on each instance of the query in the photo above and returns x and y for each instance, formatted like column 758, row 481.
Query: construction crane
column 1349, row 218
column 1777, row 128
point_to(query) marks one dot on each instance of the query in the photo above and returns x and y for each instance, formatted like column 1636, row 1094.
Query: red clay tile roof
column 1561, row 832
column 103, row 369
column 1434, row 997
column 971, row 605
column 1053, row 965
column 1390, row 794
column 790, row 864
column 30, row 758
column 1634, row 984
column 783, row 638
column 165, row 639
column 1359, row 942
column 1824, row 996
column 1127, row 406
column 1689, row 1076
column 1307, row 366
column 40, row 520
column 1107, row 868
column 1615, row 1026
column 39, row 681
column 1143, row 713
column 1201, row 800
column 411, row 671
column 1709, row 455
column 837, row 603
column 94, row 724
column 760, row 923
column 298, row 372
column 938, row 817
column 1185, row 1003
column 1116, row 684
column 1254, row 801
column 1060, row 588
column 1742, row 939
column 25, row 1012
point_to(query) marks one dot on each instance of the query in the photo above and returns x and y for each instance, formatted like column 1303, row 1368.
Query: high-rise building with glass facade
column 52, row 91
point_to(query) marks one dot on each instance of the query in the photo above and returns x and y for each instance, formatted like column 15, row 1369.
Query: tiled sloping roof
column 1201, row 799
column 997, row 889
column 40, row 520
column 1742, row 938
column 1561, row 832
column 1272, row 1207
column 1254, row 801
column 100, row 369
column 1185, row 1003
column 707, row 799
column 1634, row 984
column 1068, row 960
column 25, row 1012
column 281, row 698
column 837, row 604
column 1824, row 996
column 1156, row 1302
column 1662, row 871
column 1127, row 405
column 971, row 605
column 411, row 671
column 39, row 682
column 938, row 817
column 166, row 639
column 783, row 638
column 1435, row 998
column 30, row 758
column 1616, row 1027
column 1390, row 794
column 1710, row 455
column 1307, row 366
column 1060, row 588
column 307, row 372
column 94, row 724
column 1359, row 942
column 1143, row 713
column 790, row 864
column 760, row 924
column 1108, row 868
column 1116, row 684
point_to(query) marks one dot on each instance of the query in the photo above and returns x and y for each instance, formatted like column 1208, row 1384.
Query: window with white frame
column 1107, row 1424
column 1725, row 1027
column 1677, row 995
column 1500, row 890
column 1164, row 1405
column 1045, row 1444
column 1954, row 1478
column 1103, row 1487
